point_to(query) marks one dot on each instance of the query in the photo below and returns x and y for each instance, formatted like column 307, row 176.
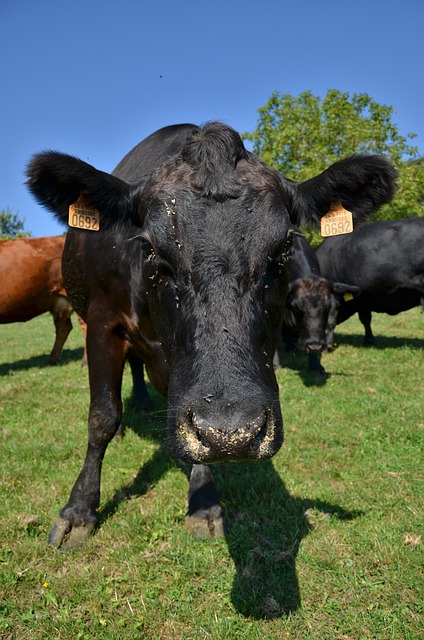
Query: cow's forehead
column 254, row 224
column 313, row 287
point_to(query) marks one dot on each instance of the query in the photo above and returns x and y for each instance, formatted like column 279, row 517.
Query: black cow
column 188, row 272
column 311, row 305
column 385, row 259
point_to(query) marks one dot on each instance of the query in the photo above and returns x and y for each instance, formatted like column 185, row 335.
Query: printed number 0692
column 83, row 222
column 335, row 228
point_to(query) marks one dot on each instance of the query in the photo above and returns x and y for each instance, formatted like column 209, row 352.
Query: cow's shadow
column 39, row 362
column 298, row 362
column 381, row 342
column 265, row 523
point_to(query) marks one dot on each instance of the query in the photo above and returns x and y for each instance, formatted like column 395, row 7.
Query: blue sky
column 92, row 78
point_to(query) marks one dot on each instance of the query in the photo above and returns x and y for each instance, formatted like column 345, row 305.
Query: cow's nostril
column 194, row 427
column 201, row 438
column 261, row 434
column 190, row 417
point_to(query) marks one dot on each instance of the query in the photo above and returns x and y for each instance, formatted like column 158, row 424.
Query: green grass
column 324, row 541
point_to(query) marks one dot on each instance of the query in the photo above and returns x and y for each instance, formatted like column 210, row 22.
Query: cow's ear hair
column 57, row 180
column 361, row 183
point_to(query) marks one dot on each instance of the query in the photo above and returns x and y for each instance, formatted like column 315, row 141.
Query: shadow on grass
column 381, row 342
column 265, row 523
column 68, row 355
column 298, row 362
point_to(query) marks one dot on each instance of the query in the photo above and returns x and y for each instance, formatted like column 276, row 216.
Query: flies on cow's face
column 161, row 265
column 278, row 259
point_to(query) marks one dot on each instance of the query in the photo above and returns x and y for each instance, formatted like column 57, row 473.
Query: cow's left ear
column 57, row 180
column 346, row 291
column 361, row 183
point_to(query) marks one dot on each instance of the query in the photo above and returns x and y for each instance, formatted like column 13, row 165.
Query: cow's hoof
column 64, row 536
column 206, row 523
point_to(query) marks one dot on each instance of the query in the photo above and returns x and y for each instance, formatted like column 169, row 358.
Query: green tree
column 409, row 199
column 301, row 136
column 11, row 226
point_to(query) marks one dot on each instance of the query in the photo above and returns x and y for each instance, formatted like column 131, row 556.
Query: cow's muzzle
column 314, row 346
column 200, row 439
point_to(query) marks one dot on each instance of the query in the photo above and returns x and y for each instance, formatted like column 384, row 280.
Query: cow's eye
column 289, row 241
column 285, row 250
column 147, row 248
column 280, row 257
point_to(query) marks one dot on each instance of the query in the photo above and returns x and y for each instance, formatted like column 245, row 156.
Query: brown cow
column 31, row 277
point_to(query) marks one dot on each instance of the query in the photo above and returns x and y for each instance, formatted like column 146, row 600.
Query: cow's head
column 214, row 231
column 311, row 310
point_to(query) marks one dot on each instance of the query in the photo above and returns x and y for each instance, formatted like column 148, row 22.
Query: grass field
column 324, row 541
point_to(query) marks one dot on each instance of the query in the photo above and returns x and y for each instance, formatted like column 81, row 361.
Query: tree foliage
column 11, row 225
column 301, row 136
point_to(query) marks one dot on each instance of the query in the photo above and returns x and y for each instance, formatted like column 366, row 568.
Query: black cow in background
column 385, row 259
column 189, row 272
column 311, row 305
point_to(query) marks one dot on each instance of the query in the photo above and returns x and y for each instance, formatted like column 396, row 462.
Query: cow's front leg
column 204, row 517
column 314, row 363
column 106, row 357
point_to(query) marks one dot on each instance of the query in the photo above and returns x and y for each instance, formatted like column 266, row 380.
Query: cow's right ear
column 56, row 180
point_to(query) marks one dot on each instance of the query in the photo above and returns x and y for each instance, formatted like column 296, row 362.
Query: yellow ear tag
column 82, row 215
column 347, row 296
column 337, row 221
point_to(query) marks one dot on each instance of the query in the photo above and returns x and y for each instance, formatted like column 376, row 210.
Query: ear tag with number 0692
column 337, row 221
column 82, row 215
